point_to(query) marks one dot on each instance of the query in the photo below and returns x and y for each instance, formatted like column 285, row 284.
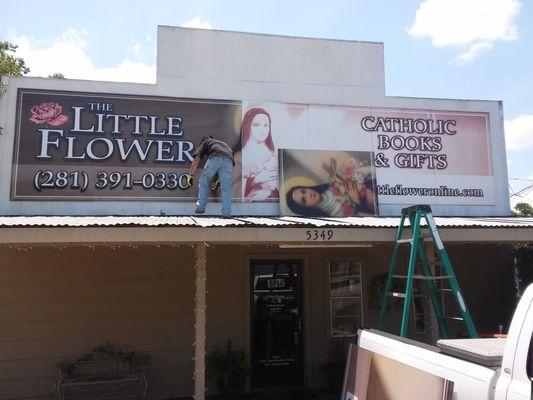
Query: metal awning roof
column 256, row 222
column 191, row 229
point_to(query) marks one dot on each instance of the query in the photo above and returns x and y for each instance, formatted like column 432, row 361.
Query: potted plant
column 229, row 369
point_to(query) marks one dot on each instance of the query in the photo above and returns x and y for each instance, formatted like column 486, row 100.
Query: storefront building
column 98, row 242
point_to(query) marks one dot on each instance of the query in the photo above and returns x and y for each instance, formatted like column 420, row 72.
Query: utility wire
column 522, row 192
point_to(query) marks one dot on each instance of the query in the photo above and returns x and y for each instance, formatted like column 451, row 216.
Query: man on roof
column 219, row 160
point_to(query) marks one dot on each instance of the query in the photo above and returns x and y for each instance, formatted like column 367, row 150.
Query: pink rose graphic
column 49, row 113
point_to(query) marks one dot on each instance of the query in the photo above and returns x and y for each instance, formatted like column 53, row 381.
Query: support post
column 436, row 331
column 199, row 326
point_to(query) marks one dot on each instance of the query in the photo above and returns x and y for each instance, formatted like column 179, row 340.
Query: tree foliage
column 523, row 210
column 10, row 64
column 57, row 75
column 523, row 253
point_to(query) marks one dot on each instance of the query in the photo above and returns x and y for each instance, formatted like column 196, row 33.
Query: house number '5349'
column 319, row 234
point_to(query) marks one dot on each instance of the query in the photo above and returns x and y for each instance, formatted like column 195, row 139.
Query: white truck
column 491, row 369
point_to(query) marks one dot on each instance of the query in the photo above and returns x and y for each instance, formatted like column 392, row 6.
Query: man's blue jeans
column 224, row 167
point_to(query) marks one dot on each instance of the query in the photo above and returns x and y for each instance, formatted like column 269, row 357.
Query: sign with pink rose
column 91, row 146
column 312, row 160
column 48, row 113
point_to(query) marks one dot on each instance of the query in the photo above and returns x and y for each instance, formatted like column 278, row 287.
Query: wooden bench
column 104, row 373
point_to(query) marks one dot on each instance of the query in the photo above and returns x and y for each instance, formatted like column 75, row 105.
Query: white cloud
column 472, row 26
column 519, row 132
column 126, row 71
column 518, row 136
column 67, row 55
column 136, row 48
column 197, row 22
column 472, row 52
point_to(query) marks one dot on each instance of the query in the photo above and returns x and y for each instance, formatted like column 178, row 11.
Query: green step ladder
column 418, row 255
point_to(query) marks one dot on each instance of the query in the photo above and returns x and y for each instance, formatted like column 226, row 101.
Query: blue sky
column 464, row 49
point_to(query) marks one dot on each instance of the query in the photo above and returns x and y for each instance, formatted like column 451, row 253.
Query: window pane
column 345, row 297
column 346, row 287
column 344, row 326
column 345, row 307
column 345, row 278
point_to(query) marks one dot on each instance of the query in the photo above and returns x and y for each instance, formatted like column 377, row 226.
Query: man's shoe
column 199, row 210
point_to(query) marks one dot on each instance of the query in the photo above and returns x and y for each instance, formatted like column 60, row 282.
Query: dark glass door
column 277, row 346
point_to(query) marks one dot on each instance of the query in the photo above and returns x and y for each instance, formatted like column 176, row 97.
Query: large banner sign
column 313, row 160
column 84, row 146
column 382, row 156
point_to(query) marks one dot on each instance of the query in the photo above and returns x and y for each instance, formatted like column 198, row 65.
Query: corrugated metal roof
column 248, row 222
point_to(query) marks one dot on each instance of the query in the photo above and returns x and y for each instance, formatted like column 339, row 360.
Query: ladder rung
column 451, row 318
column 402, row 295
column 445, row 290
column 420, row 208
column 435, row 278
column 410, row 240
column 423, row 277
column 400, row 241
column 396, row 294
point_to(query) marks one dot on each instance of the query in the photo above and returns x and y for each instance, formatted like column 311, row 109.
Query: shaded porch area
column 174, row 287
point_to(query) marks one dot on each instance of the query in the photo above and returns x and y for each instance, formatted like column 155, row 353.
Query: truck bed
column 471, row 380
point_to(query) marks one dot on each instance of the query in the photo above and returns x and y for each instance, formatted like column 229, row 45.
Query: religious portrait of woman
column 348, row 192
column 259, row 158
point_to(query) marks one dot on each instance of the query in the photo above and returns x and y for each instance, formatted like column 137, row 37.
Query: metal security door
column 277, row 348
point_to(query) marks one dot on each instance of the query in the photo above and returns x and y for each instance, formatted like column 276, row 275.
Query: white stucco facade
column 209, row 64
